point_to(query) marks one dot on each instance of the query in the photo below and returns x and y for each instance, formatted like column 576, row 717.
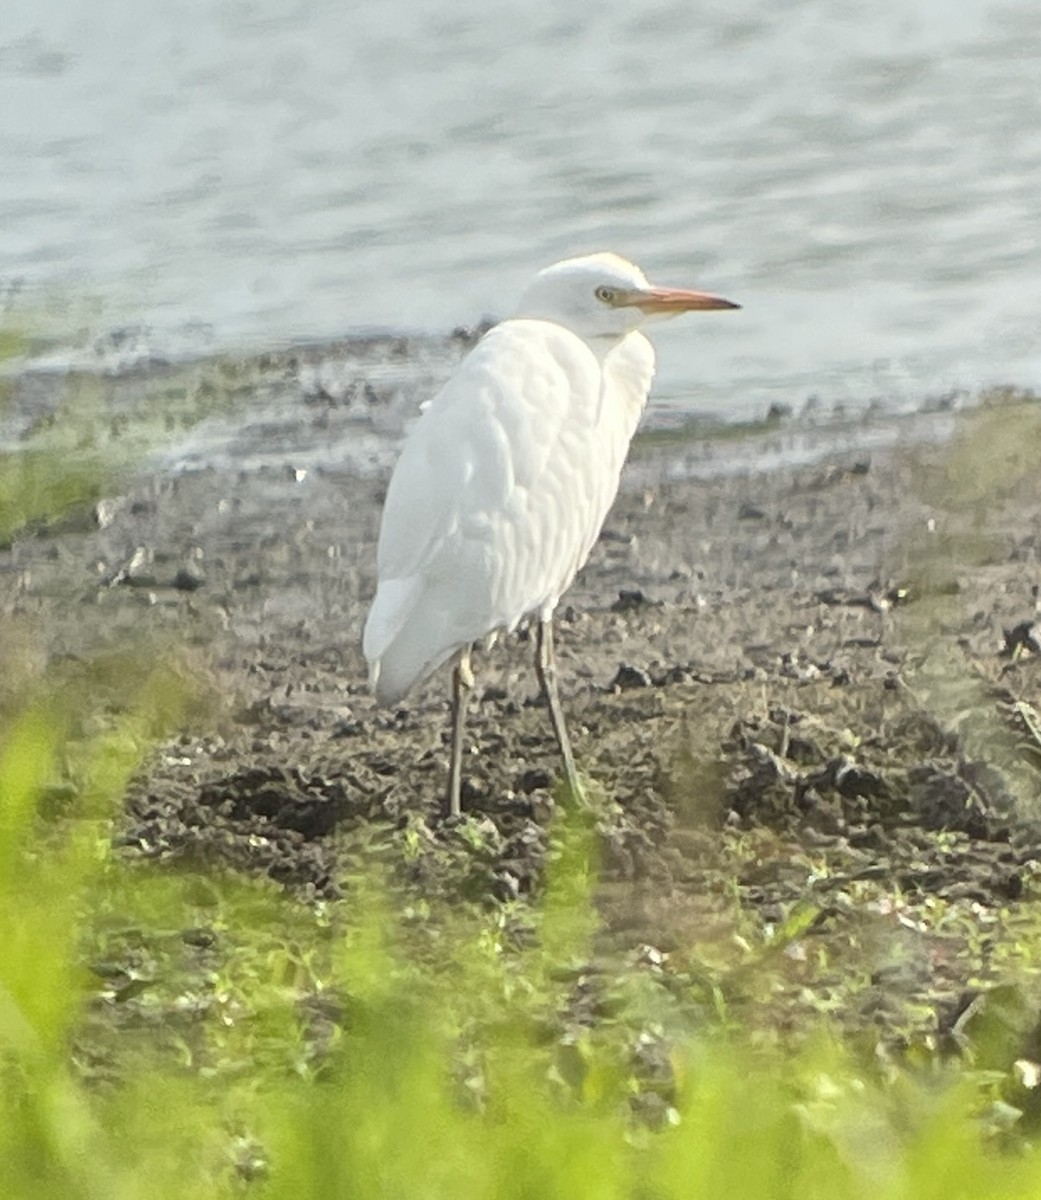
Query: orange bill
column 678, row 300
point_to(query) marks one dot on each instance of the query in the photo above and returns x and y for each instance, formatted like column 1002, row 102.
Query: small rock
column 852, row 780
column 505, row 886
column 138, row 571
column 674, row 674
column 628, row 600
column 189, row 578
column 199, row 936
column 107, row 509
column 630, row 677
column 533, row 780
column 794, row 665
column 469, row 335
column 1022, row 638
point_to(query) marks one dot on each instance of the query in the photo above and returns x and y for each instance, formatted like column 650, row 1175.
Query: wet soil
column 805, row 700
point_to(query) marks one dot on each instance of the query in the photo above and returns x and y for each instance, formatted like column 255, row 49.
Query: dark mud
column 806, row 701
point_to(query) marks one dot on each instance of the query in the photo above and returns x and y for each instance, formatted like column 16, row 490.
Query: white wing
column 499, row 494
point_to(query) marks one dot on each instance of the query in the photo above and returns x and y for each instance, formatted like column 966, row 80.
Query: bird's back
column 500, row 492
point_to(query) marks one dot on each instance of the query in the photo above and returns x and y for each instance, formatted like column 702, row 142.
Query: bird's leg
column 546, row 670
column 462, row 684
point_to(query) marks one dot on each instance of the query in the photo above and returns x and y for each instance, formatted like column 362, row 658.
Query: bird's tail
column 402, row 643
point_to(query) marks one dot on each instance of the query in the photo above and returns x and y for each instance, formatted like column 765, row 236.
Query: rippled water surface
column 865, row 179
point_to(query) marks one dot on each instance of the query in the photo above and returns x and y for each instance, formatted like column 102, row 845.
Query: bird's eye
column 606, row 294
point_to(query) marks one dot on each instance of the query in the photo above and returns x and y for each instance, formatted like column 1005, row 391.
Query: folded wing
column 497, row 497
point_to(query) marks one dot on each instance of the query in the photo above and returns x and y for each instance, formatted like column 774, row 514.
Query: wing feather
column 498, row 495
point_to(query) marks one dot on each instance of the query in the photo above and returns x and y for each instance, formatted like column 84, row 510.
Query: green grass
column 231, row 1041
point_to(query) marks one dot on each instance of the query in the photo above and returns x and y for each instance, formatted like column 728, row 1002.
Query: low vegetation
column 184, row 1029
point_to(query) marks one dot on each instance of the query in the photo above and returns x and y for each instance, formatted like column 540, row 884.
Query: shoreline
column 346, row 403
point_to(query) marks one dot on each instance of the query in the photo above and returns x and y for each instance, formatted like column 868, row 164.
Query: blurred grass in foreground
column 994, row 458
column 335, row 1062
column 79, row 430
column 57, row 467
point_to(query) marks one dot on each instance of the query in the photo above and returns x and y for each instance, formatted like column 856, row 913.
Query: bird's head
column 602, row 296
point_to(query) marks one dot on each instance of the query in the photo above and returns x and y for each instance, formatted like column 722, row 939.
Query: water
column 237, row 174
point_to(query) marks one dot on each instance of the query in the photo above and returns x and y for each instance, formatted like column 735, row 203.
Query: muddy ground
column 806, row 699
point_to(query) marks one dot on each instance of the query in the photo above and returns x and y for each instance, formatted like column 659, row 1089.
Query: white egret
column 506, row 478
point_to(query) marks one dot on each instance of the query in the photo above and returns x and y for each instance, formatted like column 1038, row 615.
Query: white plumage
column 499, row 494
column 506, row 478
